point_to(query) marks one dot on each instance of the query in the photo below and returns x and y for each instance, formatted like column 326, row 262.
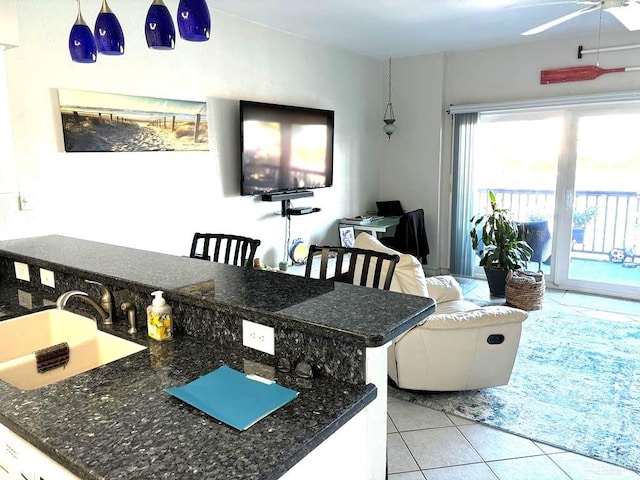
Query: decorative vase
column 578, row 235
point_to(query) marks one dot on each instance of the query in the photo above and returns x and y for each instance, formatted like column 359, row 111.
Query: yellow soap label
column 159, row 326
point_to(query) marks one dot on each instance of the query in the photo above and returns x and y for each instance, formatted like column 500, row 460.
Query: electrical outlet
column 22, row 271
column 259, row 337
column 47, row 278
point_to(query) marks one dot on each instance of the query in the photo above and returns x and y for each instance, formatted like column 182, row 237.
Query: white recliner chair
column 461, row 346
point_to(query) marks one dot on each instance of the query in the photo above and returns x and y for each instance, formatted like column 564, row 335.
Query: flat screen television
column 284, row 148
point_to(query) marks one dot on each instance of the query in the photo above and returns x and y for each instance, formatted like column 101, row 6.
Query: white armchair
column 461, row 346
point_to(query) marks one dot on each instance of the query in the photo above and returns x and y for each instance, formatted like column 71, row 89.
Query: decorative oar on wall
column 578, row 74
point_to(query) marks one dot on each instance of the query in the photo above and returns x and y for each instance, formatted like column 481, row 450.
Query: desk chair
column 230, row 249
column 366, row 267
column 410, row 236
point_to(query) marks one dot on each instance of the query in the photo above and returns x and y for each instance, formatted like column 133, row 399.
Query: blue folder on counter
column 235, row 398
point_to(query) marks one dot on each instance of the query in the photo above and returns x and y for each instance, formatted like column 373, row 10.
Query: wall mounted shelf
column 286, row 197
column 281, row 196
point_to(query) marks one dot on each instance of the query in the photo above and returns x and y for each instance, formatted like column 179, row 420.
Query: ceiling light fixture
column 108, row 32
column 389, row 119
column 82, row 45
column 158, row 28
column 194, row 25
column 194, row 21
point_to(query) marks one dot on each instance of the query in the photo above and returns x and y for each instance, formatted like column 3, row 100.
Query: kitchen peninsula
column 116, row 421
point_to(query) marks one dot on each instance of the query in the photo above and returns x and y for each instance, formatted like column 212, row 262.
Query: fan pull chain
column 599, row 33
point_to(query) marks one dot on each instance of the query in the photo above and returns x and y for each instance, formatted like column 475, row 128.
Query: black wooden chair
column 367, row 268
column 222, row 248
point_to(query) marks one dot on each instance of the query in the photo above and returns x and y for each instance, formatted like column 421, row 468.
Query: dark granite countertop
column 116, row 422
column 370, row 316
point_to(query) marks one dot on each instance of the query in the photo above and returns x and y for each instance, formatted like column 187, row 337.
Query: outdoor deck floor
column 600, row 271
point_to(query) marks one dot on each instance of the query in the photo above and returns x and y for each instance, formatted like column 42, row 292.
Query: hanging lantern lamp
column 389, row 119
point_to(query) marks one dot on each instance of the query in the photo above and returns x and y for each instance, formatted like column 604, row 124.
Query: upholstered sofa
column 461, row 346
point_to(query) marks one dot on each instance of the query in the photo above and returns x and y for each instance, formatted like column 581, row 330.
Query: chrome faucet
column 64, row 298
column 106, row 302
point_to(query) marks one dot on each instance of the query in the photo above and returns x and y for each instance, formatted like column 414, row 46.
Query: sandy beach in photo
column 94, row 132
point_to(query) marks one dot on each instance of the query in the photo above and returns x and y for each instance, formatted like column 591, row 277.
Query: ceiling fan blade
column 628, row 15
column 558, row 21
column 554, row 2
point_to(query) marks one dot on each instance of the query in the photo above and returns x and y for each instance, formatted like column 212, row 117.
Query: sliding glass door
column 605, row 222
column 517, row 157
column 571, row 178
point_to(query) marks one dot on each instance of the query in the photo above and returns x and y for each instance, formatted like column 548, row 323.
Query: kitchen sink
column 23, row 335
column 86, row 347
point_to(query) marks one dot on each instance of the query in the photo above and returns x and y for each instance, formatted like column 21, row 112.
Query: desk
column 375, row 226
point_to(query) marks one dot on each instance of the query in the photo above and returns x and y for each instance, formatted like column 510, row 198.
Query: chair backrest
column 223, row 248
column 411, row 235
column 365, row 266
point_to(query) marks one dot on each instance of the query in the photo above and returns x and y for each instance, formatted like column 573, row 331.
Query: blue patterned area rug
column 575, row 385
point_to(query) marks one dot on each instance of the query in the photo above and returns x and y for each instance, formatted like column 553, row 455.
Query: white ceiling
column 402, row 28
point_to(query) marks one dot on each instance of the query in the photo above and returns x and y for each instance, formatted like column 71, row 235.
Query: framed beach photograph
column 347, row 236
column 105, row 122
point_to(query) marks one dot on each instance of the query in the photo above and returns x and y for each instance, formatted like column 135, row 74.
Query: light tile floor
column 426, row 444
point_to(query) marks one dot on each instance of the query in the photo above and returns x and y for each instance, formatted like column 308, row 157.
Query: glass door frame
column 565, row 202
column 565, row 196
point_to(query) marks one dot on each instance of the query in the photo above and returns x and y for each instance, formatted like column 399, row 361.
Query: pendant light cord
column 388, row 113
column 389, row 79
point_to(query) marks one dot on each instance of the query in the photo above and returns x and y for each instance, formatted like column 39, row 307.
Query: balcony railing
column 616, row 224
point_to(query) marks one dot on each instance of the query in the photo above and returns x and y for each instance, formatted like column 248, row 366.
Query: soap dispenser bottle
column 159, row 318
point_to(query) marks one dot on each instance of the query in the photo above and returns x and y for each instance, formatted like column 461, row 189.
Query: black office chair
column 230, row 249
column 367, row 262
column 410, row 236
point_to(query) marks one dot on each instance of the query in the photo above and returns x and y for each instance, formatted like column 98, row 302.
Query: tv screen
column 284, row 148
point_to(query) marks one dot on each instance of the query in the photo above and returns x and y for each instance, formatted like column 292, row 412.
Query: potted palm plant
column 496, row 238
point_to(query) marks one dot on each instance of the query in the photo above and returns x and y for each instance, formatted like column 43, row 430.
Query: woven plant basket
column 524, row 289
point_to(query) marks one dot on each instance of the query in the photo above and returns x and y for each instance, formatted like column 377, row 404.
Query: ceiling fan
column 626, row 12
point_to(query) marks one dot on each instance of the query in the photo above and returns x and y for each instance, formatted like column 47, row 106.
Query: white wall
column 9, row 35
column 410, row 171
column 425, row 86
column 157, row 200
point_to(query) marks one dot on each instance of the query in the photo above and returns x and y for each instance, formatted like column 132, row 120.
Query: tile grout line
column 476, row 450
column 408, row 449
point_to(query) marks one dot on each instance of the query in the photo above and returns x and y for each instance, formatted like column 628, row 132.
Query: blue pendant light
column 194, row 21
column 159, row 29
column 82, row 45
column 108, row 32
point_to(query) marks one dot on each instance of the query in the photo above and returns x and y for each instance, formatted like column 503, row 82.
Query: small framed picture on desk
column 347, row 236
